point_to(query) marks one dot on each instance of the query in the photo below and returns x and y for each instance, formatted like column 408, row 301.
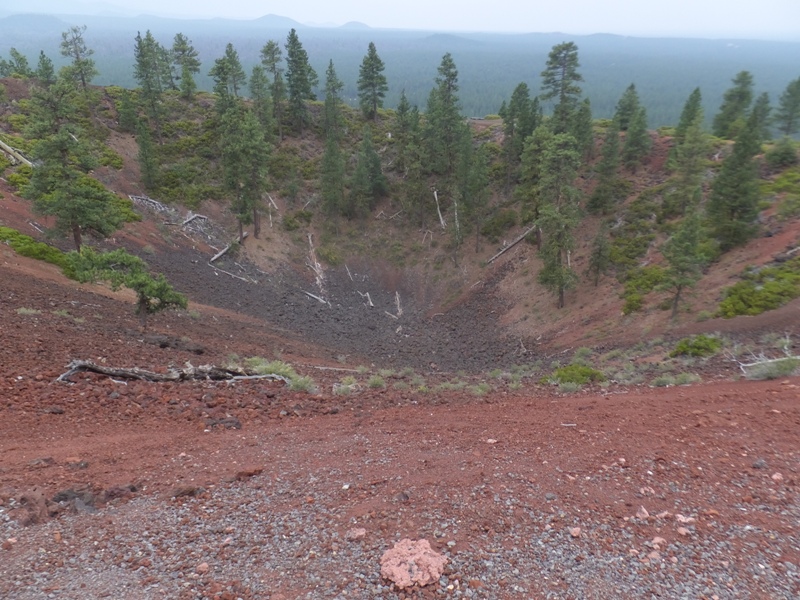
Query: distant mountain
column 32, row 23
column 277, row 22
column 355, row 25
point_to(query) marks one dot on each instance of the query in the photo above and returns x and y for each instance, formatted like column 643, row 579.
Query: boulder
column 411, row 563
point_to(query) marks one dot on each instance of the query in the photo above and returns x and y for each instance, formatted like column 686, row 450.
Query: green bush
column 109, row 158
column 329, row 255
column 762, row 290
column 498, row 224
column 773, row 370
column 784, row 154
column 638, row 283
column 578, row 374
column 699, row 345
column 20, row 178
column 27, row 246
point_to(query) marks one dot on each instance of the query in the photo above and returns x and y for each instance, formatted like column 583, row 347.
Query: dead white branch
column 222, row 252
column 203, row 372
column 511, row 245
column 391, row 315
column 14, row 154
column 438, row 209
column 369, row 300
column 245, row 279
column 350, row 275
column 315, row 265
column 397, row 304
column 315, row 297
column 271, row 201
column 192, row 217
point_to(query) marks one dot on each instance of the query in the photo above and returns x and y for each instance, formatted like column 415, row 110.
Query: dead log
column 222, row 252
column 14, row 154
column 511, row 245
column 189, row 373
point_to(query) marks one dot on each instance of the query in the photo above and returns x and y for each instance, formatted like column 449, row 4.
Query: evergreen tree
column 560, row 81
column 787, row 117
column 74, row 47
column 60, row 186
column 45, row 71
column 686, row 260
column 368, row 183
column 606, row 194
column 472, row 177
column 148, row 161
column 558, row 215
column 692, row 108
column 332, row 176
column 372, row 86
column 637, row 141
column 444, row 123
column 519, row 121
column 583, row 129
column 333, row 121
column 244, row 157
column 406, row 131
column 126, row 116
column 184, row 56
column 735, row 103
column 262, row 101
column 600, row 255
column 271, row 58
column 300, row 81
column 689, row 163
column 627, row 107
column 733, row 203
column 228, row 74
column 16, row 66
column 149, row 71
column 761, row 114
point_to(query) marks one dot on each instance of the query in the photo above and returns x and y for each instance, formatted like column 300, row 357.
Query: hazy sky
column 706, row 18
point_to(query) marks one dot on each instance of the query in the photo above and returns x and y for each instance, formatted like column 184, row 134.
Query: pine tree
column 149, row 72
column 560, row 81
column 332, row 176
column 692, row 108
column 686, row 260
column 688, row 161
column 605, row 194
column 300, row 81
column 372, row 86
column 271, row 58
column 600, row 255
column 735, row 103
column 627, row 107
column 126, row 116
column 333, row 122
column 406, row 131
column 472, row 177
column 228, row 74
column 45, row 71
column 444, row 123
column 761, row 114
column 733, row 203
column 787, row 117
column 368, row 183
column 74, row 47
column 184, row 56
column 60, row 186
column 637, row 141
column 262, row 101
column 148, row 161
column 518, row 124
column 16, row 66
column 583, row 129
column 558, row 215
column 244, row 157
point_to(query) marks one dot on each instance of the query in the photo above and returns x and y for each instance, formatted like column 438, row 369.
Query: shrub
column 329, row 255
column 376, row 382
column 699, row 345
column 28, row 311
column 663, row 381
column 25, row 245
column 762, row 290
column 784, row 154
column 774, row 369
column 579, row 374
column 498, row 224
column 638, row 283
column 687, row 378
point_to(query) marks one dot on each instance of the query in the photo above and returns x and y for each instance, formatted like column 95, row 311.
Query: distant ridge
column 355, row 25
column 277, row 22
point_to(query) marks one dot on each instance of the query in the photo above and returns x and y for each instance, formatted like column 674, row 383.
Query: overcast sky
column 698, row 18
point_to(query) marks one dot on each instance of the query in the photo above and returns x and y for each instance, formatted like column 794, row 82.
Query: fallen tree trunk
column 511, row 245
column 190, row 373
column 14, row 154
column 222, row 252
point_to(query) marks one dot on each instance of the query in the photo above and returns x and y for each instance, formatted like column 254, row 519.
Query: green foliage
column 120, row 269
column 376, row 382
column 372, row 86
column 761, row 290
column 499, row 223
column 578, row 374
column 26, row 246
column 731, row 116
column 23, row 310
column 638, row 283
column 20, row 178
column 782, row 155
column 329, row 255
column 698, row 346
column 784, row 367
column 109, row 158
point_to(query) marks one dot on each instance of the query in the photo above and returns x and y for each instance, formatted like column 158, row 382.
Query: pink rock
column 202, row 568
column 575, row 532
column 777, row 478
column 658, row 542
column 683, row 531
column 357, row 533
column 642, row 513
column 412, row 563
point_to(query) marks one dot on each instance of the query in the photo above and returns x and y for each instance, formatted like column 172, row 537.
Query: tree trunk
column 676, row 301
column 241, row 232
column 256, row 222
column 141, row 310
column 76, row 236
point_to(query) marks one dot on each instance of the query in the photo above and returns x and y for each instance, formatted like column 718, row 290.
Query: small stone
column 355, row 534
column 57, row 537
column 202, row 568
column 683, row 531
column 575, row 532
column 642, row 513
column 760, row 464
column 550, row 496
column 411, row 563
column 658, row 542
column 777, row 478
